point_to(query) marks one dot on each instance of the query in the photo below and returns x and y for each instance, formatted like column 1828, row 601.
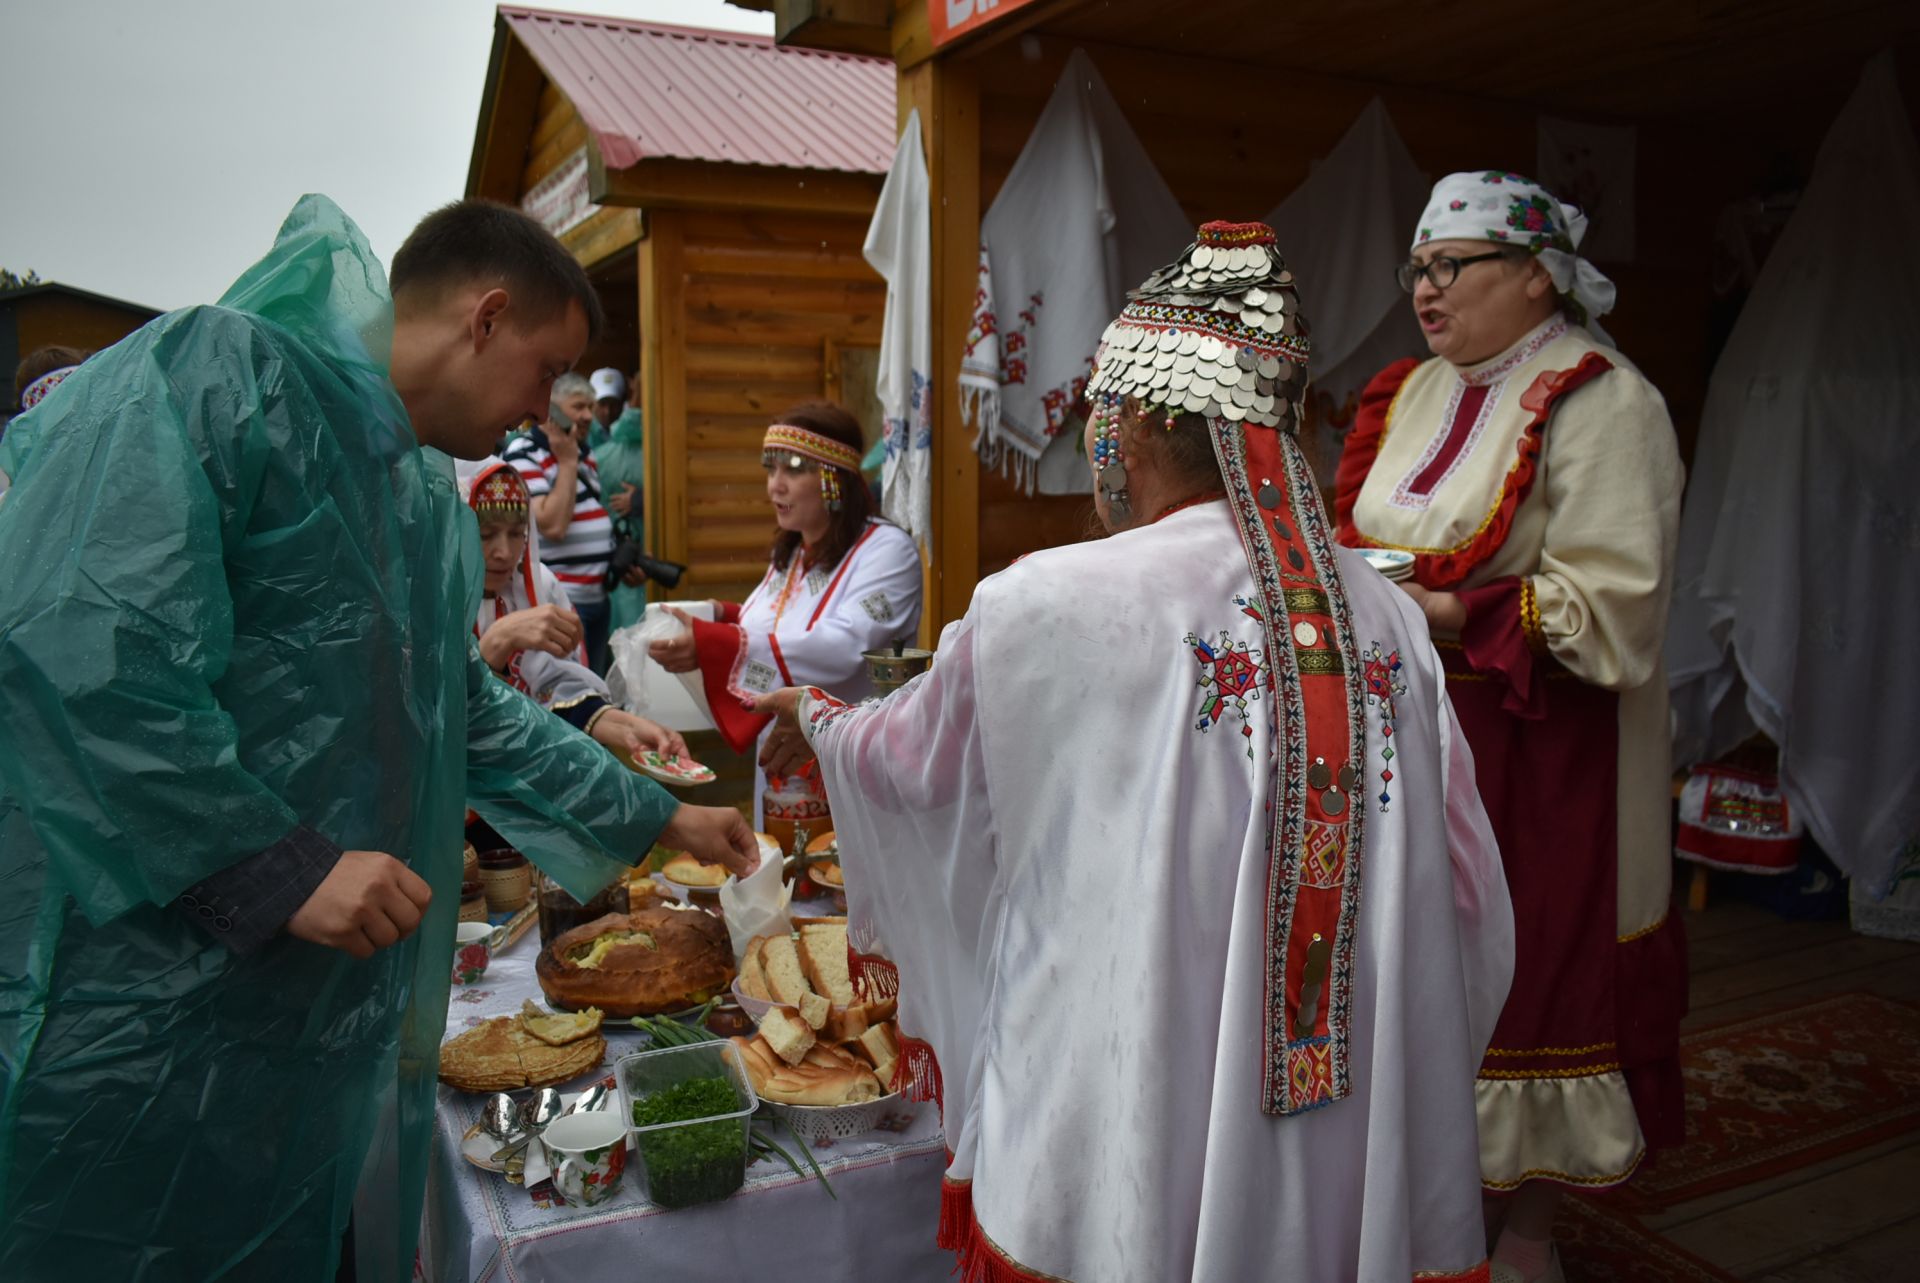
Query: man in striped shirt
column 576, row 530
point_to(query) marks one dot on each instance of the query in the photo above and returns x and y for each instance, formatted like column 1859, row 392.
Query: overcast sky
column 151, row 147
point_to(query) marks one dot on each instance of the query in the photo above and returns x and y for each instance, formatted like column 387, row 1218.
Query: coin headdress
column 1219, row 333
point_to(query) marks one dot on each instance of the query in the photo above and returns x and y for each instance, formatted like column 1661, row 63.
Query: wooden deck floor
column 1850, row 1219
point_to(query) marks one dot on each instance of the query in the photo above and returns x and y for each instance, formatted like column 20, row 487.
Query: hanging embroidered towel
column 1082, row 216
column 1340, row 231
column 898, row 247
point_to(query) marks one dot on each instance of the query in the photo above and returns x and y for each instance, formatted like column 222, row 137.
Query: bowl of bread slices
column 823, row 1058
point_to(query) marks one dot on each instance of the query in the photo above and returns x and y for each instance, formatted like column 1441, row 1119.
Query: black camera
column 627, row 554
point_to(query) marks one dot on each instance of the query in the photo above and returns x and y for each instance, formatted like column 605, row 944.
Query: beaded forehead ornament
column 499, row 492
column 1218, row 333
column 795, row 444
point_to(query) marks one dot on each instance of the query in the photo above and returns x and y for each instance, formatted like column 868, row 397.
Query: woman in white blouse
column 840, row 582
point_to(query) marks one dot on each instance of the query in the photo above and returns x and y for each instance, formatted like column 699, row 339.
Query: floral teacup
column 471, row 953
column 588, row 1153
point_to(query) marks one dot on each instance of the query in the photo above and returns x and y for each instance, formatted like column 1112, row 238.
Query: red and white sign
column 951, row 19
column 561, row 201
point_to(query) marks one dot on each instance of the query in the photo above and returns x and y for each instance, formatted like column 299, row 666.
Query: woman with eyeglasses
column 1532, row 475
column 841, row 581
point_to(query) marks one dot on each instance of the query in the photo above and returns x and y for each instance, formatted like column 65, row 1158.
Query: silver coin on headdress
column 1218, row 331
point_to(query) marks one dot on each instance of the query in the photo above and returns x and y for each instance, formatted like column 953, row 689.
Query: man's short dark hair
column 482, row 241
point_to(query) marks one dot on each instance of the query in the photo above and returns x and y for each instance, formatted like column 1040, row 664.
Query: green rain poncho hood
column 236, row 597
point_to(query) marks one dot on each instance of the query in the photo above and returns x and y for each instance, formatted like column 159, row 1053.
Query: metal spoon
column 542, row 1109
column 590, row 1099
column 500, row 1118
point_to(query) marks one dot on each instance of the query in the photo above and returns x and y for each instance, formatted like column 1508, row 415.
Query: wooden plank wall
column 735, row 312
column 760, row 295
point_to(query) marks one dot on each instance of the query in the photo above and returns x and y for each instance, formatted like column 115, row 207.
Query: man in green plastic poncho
column 243, row 716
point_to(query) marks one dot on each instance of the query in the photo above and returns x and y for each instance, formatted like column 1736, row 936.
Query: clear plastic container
column 693, row 1160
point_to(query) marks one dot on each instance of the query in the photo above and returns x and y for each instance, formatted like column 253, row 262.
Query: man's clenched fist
column 368, row 902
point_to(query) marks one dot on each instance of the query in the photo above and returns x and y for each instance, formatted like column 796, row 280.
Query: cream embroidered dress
column 1544, row 487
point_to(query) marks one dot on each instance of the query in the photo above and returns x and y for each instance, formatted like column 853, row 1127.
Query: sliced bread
column 787, row 1034
column 786, row 982
column 882, row 1046
column 823, row 955
column 753, row 978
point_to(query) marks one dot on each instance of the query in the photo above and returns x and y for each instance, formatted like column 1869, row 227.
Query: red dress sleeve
column 1363, row 443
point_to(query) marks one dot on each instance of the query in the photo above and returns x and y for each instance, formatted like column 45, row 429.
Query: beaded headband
column 36, row 391
column 784, row 438
column 1216, row 332
column 500, row 492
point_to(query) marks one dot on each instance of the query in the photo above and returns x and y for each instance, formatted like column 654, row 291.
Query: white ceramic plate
column 1392, row 564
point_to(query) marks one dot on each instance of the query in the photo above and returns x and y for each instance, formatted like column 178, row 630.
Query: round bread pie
column 689, row 872
column 827, row 874
column 638, row 964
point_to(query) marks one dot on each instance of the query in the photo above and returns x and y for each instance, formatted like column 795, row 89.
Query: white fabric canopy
column 1082, row 216
column 898, row 246
column 1795, row 606
column 1342, row 232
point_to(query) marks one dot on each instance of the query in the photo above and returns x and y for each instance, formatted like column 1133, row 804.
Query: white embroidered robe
column 1072, row 879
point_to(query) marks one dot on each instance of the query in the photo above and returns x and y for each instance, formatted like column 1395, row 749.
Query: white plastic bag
column 677, row 701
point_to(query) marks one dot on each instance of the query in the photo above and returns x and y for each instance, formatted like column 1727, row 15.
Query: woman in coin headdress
column 841, row 582
column 526, row 627
column 1178, row 829
column 1532, row 473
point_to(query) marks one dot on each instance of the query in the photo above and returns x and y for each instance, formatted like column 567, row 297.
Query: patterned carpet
column 1784, row 1090
column 1601, row 1243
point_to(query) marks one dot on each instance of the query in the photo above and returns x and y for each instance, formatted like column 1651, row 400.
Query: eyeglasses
column 1442, row 271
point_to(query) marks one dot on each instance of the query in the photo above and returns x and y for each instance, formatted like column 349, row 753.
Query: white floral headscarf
column 1494, row 205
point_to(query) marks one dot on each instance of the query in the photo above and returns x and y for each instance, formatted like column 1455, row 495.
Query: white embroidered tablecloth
column 478, row 1227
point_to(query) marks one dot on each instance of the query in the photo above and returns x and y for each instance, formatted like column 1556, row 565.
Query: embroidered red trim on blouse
column 1448, row 569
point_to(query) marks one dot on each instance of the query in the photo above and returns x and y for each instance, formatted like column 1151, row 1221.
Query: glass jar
column 561, row 913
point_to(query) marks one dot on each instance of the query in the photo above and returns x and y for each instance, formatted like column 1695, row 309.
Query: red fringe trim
column 1481, row 1273
column 918, row 1074
column 1443, row 571
column 982, row 1262
column 960, row 1233
column 956, row 1212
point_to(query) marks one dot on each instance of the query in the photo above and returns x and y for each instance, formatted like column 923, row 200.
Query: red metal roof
column 646, row 90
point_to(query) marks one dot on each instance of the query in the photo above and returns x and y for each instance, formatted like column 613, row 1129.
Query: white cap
column 608, row 382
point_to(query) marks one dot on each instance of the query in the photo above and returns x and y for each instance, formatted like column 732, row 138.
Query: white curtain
column 1797, row 592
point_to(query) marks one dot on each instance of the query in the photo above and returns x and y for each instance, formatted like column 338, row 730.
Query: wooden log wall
column 744, row 305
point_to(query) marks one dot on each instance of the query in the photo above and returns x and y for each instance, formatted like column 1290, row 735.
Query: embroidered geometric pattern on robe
column 1325, row 854
column 1383, row 684
column 1231, row 675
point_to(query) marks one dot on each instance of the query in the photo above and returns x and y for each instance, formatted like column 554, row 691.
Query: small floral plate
column 671, row 769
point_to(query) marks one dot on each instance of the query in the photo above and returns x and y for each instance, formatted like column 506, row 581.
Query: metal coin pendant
column 1269, row 495
column 1348, row 778
column 1114, row 476
column 1333, row 802
column 1319, row 775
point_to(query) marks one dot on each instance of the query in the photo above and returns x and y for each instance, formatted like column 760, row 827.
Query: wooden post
column 947, row 95
column 664, row 386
